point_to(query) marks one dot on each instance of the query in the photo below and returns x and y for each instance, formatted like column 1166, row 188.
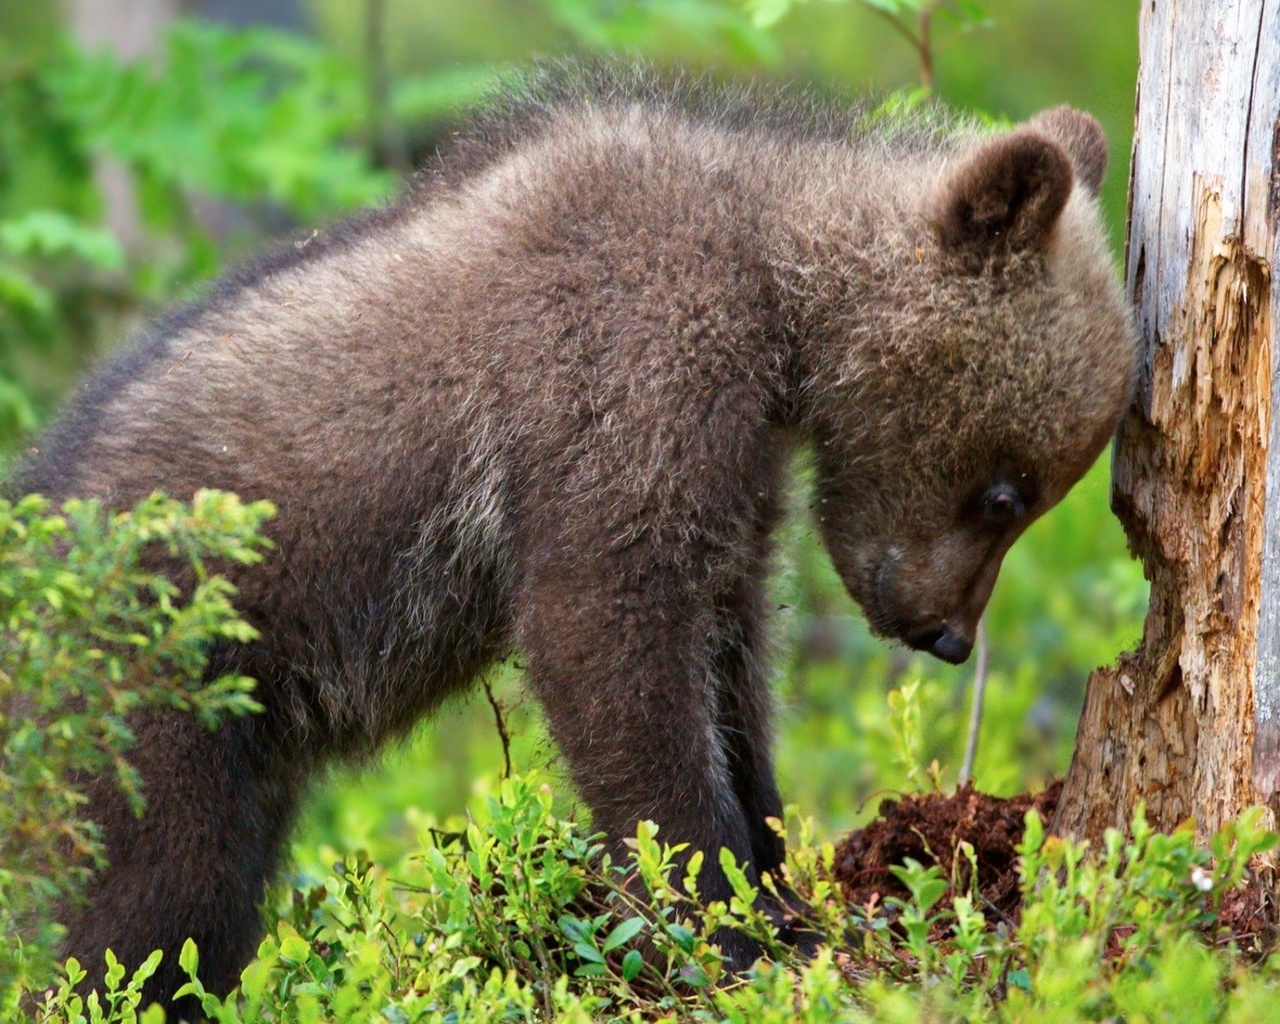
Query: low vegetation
column 507, row 919
column 92, row 631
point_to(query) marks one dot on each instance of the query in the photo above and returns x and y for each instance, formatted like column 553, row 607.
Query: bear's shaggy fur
column 543, row 404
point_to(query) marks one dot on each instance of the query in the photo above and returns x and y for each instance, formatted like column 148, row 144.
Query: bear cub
column 543, row 404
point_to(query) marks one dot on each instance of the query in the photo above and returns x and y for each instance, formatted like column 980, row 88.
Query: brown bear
column 544, row 403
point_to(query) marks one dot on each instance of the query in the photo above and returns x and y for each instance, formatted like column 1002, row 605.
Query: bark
column 1189, row 723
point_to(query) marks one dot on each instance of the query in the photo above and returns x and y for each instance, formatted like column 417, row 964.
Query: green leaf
column 893, row 7
column 464, row 966
column 1033, row 834
column 148, row 967
column 427, row 98
column 189, row 958
column 632, row 964
column 694, row 976
column 767, row 13
column 54, row 233
column 22, row 293
column 738, row 881
column 969, row 14
column 622, row 934
column 683, row 937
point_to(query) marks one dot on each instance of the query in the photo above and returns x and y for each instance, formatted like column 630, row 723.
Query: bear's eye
column 1002, row 505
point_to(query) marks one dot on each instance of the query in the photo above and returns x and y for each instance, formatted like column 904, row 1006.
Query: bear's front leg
column 744, row 717
column 620, row 651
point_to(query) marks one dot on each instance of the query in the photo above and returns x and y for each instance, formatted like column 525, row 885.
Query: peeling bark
column 1189, row 723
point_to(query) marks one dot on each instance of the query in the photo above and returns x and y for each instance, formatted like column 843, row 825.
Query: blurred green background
column 146, row 143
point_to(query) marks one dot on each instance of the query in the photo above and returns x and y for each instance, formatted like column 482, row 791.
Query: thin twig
column 989, row 905
column 924, row 40
column 921, row 40
column 898, row 27
column 535, row 934
column 975, row 712
column 501, row 723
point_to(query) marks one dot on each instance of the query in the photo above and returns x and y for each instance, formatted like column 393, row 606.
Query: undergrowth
column 512, row 917
column 92, row 631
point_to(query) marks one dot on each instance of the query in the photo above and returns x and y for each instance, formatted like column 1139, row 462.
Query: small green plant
column 905, row 727
column 913, row 20
column 513, row 916
column 93, row 631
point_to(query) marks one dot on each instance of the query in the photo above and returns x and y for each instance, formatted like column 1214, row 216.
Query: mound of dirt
column 928, row 829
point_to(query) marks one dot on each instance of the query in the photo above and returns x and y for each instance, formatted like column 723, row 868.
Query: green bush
column 507, row 917
column 92, row 632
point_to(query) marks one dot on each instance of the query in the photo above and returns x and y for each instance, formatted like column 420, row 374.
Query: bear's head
column 970, row 356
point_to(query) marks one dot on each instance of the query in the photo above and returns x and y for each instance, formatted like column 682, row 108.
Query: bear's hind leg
column 196, row 864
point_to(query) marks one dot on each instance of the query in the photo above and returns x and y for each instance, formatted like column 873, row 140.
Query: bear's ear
column 1005, row 196
column 1083, row 139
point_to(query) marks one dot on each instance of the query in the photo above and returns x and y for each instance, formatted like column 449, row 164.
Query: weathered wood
column 1196, row 472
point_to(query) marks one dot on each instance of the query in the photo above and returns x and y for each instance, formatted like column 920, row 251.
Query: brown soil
column 929, row 828
column 1248, row 918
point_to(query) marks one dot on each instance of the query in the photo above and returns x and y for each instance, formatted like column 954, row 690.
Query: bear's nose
column 942, row 643
column 951, row 647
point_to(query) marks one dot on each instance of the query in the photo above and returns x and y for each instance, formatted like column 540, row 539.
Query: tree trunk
column 1190, row 721
column 131, row 30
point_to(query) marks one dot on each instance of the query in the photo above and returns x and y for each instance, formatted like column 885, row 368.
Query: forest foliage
column 406, row 901
column 92, row 633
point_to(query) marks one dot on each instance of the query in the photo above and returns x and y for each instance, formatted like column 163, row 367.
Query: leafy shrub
column 508, row 918
column 92, row 632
